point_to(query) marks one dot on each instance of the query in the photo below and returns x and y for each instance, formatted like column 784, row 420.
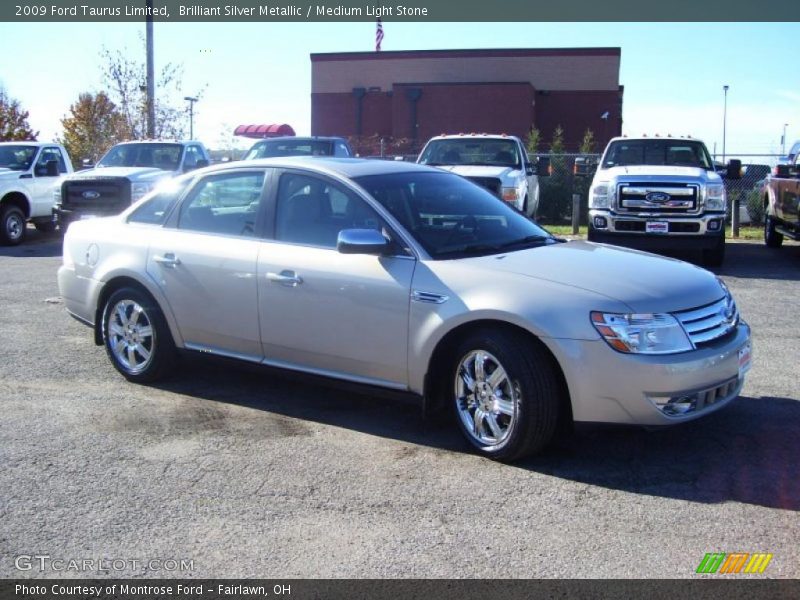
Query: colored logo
column 90, row 194
column 657, row 197
column 734, row 562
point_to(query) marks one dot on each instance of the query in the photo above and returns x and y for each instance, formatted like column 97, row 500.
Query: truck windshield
column 160, row 156
column 270, row 148
column 471, row 151
column 677, row 153
column 17, row 157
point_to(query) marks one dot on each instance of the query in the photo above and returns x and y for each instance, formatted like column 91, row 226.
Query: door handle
column 168, row 260
column 287, row 278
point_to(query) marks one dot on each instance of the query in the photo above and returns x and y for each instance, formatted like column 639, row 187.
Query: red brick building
column 419, row 94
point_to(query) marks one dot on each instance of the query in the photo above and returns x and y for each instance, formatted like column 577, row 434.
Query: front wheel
column 772, row 238
column 714, row 256
column 505, row 394
column 136, row 336
column 12, row 225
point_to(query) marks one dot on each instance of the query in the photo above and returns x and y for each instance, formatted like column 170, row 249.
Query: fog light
column 677, row 405
column 600, row 223
column 714, row 225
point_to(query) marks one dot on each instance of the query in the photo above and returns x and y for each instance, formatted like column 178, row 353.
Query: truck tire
column 772, row 238
column 12, row 225
column 504, row 394
column 714, row 257
column 45, row 226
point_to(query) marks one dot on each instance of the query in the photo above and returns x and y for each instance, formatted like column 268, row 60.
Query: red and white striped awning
column 264, row 131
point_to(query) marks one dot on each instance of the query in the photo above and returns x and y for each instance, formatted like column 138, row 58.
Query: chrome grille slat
column 707, row 323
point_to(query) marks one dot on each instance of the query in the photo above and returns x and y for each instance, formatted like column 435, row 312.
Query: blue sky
column 673, row 73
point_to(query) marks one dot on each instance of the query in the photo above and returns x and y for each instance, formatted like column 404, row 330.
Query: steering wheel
column 466, row 229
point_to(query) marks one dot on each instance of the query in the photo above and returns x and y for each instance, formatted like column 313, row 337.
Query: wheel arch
column 18, row 199
column 435, row 377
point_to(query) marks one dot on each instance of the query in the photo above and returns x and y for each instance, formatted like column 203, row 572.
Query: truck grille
column 102, row 195
column 490, row 183
column 710, row 322
column 665, row 198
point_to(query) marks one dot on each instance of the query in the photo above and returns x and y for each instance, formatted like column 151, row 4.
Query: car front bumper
column 607, row 386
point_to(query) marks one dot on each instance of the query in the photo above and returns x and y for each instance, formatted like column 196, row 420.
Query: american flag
column 378, row 34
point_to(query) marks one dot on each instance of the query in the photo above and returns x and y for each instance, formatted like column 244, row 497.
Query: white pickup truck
column 659, row 193
column 125, row 174
column 29, row 171
column 499, row 163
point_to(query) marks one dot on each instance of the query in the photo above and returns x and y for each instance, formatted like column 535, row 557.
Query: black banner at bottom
column 393, row 589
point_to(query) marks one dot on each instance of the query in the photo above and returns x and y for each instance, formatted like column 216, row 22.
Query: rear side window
column 154, row 211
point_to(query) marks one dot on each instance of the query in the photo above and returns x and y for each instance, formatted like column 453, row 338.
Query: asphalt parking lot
column 253, row 474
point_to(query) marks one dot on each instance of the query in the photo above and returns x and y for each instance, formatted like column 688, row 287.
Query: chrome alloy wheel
column 131, row 336
column 486, row 399
column 15, row 225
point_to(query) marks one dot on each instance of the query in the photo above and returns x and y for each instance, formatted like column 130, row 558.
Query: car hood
column 131, row 173
column 660, row 173
column 8, row 174
column 480, row 170
column 642, row 281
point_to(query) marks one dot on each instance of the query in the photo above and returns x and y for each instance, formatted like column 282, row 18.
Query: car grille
column 107, row 195
column 710, row 322
column 490, row 183
column 668, row 198
column 674, row 227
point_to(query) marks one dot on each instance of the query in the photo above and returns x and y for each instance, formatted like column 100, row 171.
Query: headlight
column 509, row 194
column 598, row 196
column 642, row 333
column 138, row 191
column 57, row 195
column 715, row 197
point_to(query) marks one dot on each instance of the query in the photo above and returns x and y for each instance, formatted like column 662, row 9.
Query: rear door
column 205, row 262
column 336, row 314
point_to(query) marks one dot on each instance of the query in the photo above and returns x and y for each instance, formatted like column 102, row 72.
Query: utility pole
column 191, row 100
column 724, row 120
column 783, row 139
column 151, row 86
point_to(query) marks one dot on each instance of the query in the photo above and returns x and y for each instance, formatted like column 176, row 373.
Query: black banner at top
column 400, row 10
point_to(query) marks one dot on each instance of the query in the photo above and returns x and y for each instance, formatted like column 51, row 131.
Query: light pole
column 783, row 139
column 191, row 100
column 724, row 120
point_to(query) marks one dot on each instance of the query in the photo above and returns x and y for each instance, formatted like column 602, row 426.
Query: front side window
column 472, row 151
column 451, row 217
column 225, row 204
column 154, row 210
column 160, row 156
column 46, row 156
column 313, row 211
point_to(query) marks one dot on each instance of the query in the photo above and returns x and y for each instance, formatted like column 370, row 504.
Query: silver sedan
column 407, row 278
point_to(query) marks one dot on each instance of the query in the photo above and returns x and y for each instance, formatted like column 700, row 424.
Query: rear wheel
column 772, row 238
column 505, row 394
column 713, row 257
column 136, row 336
column 12, row 225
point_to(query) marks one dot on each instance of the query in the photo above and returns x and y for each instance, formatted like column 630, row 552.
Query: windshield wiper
column 528, row 240
column 470, row 248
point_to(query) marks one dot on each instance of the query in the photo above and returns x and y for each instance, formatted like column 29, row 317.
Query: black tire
column 526, row 208
column 772, row 238
column 714, row 257
column 591, row 235
column 127, row 342
column 45, row 226
column 12, row 225
column 528, row 389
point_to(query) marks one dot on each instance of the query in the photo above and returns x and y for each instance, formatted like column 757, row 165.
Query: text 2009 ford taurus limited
column 405, row 277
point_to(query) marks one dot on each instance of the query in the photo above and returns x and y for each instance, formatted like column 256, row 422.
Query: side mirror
column 782, row 171
column 543, row 166
column 362, row 241
column 734, row 169
column 529, row 170
column 201, row 163
column 51, row 168
column 583, row 167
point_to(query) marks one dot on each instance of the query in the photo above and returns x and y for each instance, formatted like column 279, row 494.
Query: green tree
column 588, row 143
column 533, row 141
column 556, row 190
column 14, row 120
column 93, row 125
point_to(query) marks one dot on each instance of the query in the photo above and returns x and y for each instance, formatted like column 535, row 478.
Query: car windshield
column 160, row 156
column 271, row 148
column 451, row 217
column 471, row 151
column 17, row 157
column 678, row 153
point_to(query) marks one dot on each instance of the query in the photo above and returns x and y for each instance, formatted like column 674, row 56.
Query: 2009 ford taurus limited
column 406, row 277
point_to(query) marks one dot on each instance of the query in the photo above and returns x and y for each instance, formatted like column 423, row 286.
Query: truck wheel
column 12, row 225
column 505, row 394
column 772, row 238
column 45, row 226
column 136, row 336
column 591, row 235
column 713, row 257
column 526, row 208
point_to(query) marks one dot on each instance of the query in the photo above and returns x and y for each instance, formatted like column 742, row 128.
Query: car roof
column 469, row 136
column 669, row 138
column 28, row 143
column 303, row 138
column 347, row 167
